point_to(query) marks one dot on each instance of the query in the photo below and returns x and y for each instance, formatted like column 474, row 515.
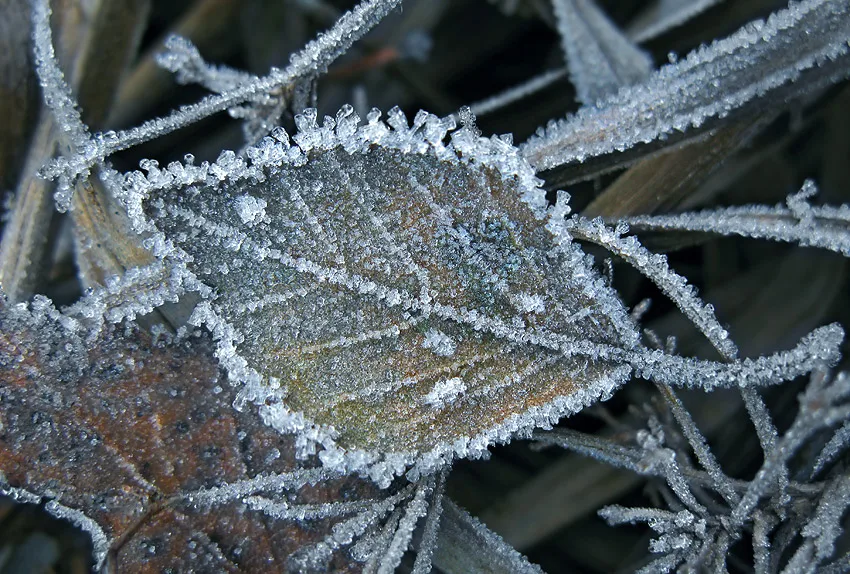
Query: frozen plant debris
column 689, row 534
column 403, row 300
column 277, row 356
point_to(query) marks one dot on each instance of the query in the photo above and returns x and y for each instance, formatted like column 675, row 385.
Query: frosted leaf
column 663, row 15
column 794, row 52
column 384, row 283
column 825, row 227
column 134, row 439
column 401, row 301
column 599, row 57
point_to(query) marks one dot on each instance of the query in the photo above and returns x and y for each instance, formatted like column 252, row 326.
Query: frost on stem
column 313, row 59
column 467, row 545
column 656, row 20
column 655, row 267
column 57, row 94
column 701, row 536
column 663, row 15
column 379, row 533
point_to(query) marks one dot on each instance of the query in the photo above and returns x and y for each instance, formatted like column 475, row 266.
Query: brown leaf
column 124, row 428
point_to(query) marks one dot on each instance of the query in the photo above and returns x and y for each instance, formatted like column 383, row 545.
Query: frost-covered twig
column 824, row 527
column 684, row 539
column 823, row 227
column 518, row 92
column 57, row 95
column 818, row 409
column 422, row 564
column 280, row 482
column 699, row 444
column 655, row 268
column 314, row 58
column 345, row 532
column 663, row 15
column 466, row 545
column 837, row 444
column 183, row 59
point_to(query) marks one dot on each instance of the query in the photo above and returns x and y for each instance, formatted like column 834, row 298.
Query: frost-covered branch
column 466, row 545
column 655, row 268
column 183, row 59
column 704, row 535
column 664, row 15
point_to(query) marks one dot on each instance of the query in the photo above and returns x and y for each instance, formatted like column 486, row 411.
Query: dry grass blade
column 96, row 52
column 662, row 182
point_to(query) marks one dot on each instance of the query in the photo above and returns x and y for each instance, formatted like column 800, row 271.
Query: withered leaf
column 124, row 434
